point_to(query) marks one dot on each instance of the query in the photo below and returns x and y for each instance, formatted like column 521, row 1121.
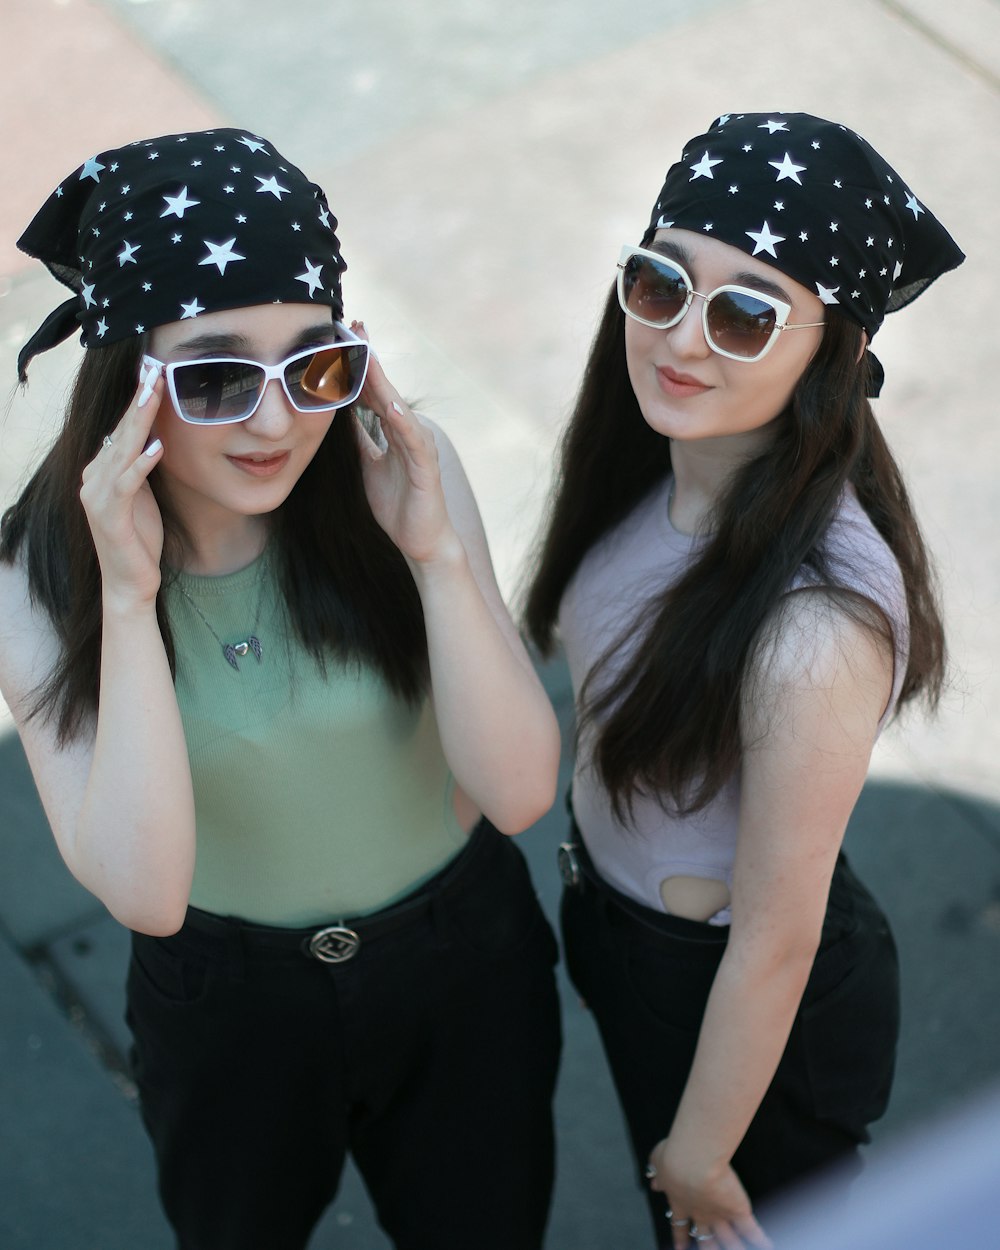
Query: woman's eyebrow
column 240, row 345
column 743, row 278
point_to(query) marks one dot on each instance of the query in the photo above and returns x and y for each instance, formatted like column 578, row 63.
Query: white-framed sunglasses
column 220, row 390
column 739, row 323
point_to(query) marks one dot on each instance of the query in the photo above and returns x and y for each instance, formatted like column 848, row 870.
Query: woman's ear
column 863, row 347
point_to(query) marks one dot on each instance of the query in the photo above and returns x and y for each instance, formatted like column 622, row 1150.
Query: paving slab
column 77, row 1170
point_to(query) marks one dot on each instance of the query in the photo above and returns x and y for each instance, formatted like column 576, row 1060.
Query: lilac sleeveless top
column 616, row 579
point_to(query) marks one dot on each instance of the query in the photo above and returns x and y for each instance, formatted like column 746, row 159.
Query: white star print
column 838, row 184
column 869, row 242
column 91, row 169
column 140, row 329
column 190, row 310
column 126, row 188
column 105, row 303
column 855, row 294
column 252, row 144
column 764, row 240
column 885, row 199
column 888, row 242
column 324, row 216
column 724, row 118
column 311, row 276
column 95, row 232
column 296, row 227
column 88, row 294
column 914, row 207
column 788, row 169
column 779, row 205
column 834, row 227
column 59, row 193
column 127, row 255
column 827, row 294
column 834, row 261
column 241, row 218
column 703, row 169
column 102, row 206
column 862, row 272
column 113, row 167
column 229, row 190
column 154, row 156
column 733, row 189
column 147, row 286
column 271, row 185
column 815, row 144
column 102, row 328
column 868, row 203
column 178, row 204
column 127, row 217
column 772, row 126
column 804, row 236
column 897, row 271
column 708, row 226
column 176, row 238
column 220, row 147
column 195, row 164
column 220, row 254
column 748, row 147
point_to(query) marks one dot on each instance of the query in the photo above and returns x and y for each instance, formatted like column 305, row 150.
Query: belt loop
column 236, row 952
column 440, row 920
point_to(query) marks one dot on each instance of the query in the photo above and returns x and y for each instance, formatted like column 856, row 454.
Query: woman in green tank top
column 280, row 719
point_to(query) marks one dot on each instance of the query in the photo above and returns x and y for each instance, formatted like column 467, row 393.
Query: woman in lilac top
column 733, row 567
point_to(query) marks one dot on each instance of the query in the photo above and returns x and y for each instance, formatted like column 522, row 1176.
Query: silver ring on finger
column 107, row 441
column 674, row 1222
column 650, row 1172
column 702, row 1236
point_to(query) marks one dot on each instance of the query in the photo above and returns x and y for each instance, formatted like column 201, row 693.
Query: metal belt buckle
column 335, row 945
column 569, row 867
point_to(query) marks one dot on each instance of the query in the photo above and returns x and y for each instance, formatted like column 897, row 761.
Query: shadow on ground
column 74, row 1155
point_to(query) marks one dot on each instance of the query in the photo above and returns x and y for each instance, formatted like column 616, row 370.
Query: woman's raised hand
column 123, row 515
column 403, row 479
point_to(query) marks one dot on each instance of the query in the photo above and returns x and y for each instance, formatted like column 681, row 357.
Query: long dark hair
column 348, row 591
column 669, row 724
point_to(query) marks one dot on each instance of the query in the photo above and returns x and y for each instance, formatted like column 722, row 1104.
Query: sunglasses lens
column 653, row 291
column 216, row 390
column 741, row 325
column 331, row 376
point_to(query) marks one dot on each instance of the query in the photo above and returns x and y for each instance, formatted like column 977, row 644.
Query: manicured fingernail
column 153, row 447
column 397, row 407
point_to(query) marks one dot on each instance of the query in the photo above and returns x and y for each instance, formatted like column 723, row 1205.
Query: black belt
column 337, row 943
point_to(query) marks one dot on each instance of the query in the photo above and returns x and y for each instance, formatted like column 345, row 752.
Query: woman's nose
column 688, row 335
column 275, row 415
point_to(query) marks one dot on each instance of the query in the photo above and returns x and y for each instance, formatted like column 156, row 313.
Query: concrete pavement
column 485, row 164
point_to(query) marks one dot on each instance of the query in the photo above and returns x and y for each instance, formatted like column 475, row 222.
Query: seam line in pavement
column 932, row 33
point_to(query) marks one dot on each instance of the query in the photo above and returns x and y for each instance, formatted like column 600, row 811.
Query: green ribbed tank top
column 316, row 797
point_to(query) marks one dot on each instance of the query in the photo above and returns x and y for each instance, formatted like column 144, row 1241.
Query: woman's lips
column 261, row 466
column 679, row 385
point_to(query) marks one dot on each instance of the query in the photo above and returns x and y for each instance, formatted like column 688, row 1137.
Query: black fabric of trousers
column 431, row 1056
column 646, row 977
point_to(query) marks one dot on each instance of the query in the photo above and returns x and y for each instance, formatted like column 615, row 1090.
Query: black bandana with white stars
column 815, row 200
column 166, row 229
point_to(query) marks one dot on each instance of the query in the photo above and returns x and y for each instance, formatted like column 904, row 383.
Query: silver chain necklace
column 231, row 650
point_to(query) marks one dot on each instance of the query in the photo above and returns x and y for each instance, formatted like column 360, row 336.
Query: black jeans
column 430, row 1055
column 646, row 977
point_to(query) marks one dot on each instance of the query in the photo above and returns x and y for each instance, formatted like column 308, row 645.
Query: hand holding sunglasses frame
column 746, row 317
column 322, row 359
